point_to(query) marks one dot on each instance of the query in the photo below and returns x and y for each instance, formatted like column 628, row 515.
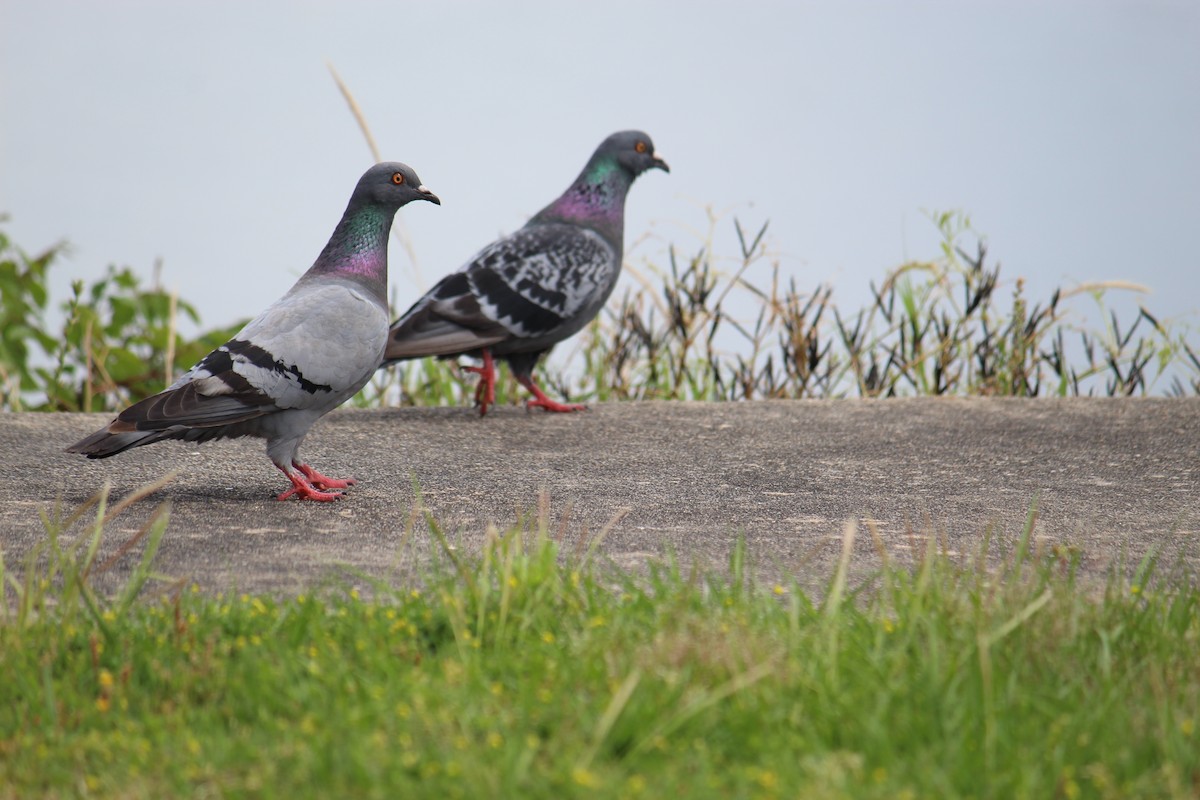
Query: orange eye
column 397, row 178
column 640, row 147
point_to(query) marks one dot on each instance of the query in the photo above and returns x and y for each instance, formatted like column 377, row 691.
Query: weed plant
column 686, row 331
column 118, row 342
column 529, row 671
column 949, row 326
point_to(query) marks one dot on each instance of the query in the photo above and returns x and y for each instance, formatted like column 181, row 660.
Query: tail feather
column 103, row 444
column 430, row 335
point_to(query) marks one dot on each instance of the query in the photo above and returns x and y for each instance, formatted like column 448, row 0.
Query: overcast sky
column 211, row 135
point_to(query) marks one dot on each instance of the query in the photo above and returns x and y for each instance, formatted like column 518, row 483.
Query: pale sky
column 211, row 135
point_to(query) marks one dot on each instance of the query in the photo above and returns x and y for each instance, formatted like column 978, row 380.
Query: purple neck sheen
column 365, row 263
column 596, row 198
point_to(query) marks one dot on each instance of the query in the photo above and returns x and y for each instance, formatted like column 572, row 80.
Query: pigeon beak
column 659, row 163
column 428, row 195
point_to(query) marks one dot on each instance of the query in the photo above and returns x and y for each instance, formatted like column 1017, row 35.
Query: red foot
column 322, row 481
column 304, row 490
column 485, row 392
column 540, row 400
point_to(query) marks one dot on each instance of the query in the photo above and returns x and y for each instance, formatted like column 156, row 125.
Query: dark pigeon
column 305, row 355
column 527, row 292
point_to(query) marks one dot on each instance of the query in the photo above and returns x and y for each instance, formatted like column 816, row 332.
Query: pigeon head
column 633, row 151
column 392, row 184
column 358, row 247
column 597, row 197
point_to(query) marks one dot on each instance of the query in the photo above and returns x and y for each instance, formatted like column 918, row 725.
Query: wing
column 526, row 286
column 311, row 349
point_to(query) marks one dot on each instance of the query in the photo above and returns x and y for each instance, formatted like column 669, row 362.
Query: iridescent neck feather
column 596, row 199
column 358, row 248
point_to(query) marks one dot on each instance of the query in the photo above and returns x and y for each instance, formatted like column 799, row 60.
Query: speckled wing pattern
column 533, row 285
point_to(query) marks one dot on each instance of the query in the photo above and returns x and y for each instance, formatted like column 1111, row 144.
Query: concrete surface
column 1110, row 476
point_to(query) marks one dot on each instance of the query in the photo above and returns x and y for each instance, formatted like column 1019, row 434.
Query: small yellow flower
column 106, row 679
column 1187, row 727
column 548, row 637
column 767, row 779
column 102, row 704
column 779, row 589
column 584, row 777
column 1135, row 589
column 354, row 594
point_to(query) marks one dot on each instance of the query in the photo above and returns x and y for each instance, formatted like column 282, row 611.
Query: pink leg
column 485, row 392
column 540, row 400
column 305, row 490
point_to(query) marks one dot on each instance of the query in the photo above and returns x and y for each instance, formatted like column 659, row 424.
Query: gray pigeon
column 524, row 293
column 304, row 356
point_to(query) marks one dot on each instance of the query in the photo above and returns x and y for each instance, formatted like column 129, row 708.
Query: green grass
column 531, row 672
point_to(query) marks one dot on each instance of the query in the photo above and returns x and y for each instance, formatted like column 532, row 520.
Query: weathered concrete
column 1112, row 477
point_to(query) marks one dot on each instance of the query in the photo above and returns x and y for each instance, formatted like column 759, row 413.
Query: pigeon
column 528, row 291
column 305, row 355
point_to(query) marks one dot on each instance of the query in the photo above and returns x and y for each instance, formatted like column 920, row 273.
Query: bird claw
column 307, row 484
column 540, row 400
column 307, row 492
column 554, row 405
column 324, row 481
column 485, row 391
